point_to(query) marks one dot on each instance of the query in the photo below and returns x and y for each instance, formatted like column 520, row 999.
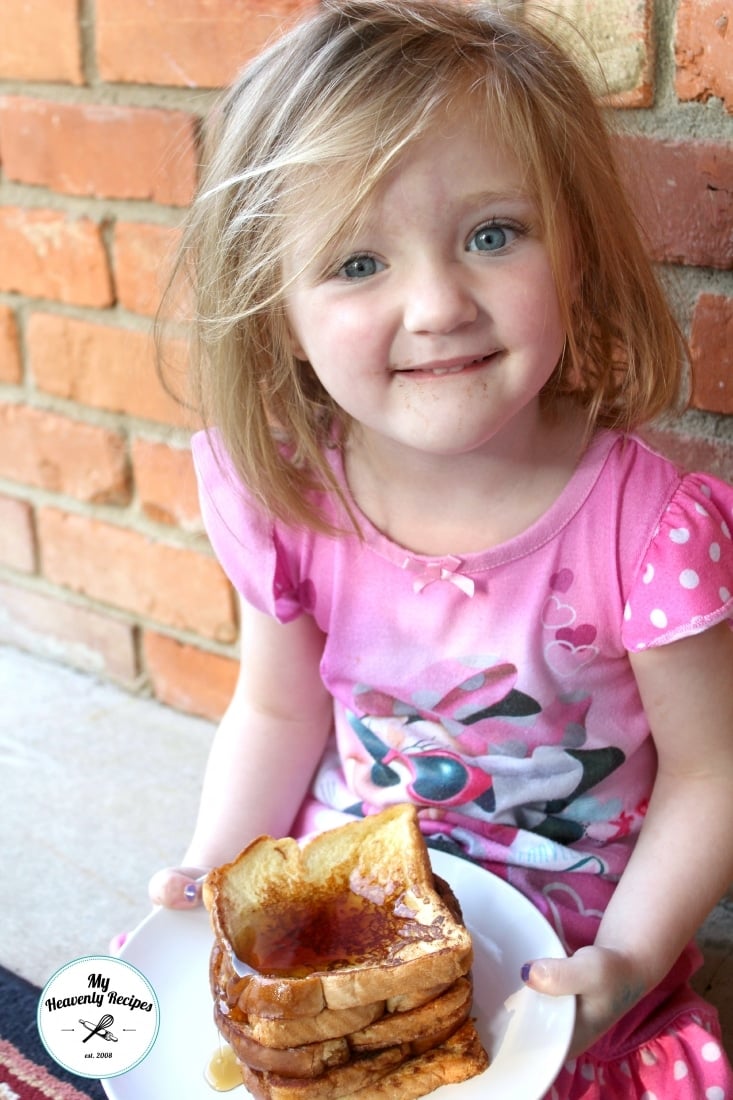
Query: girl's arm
column 264, row 752
column 683, row 860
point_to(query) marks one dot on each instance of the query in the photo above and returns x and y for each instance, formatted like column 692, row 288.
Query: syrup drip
column 222, row 1071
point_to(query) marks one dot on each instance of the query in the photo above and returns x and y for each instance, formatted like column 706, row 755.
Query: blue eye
column 360, row 267
column 492, row 238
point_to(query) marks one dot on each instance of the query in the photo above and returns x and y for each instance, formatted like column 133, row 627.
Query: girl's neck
column 441, row 505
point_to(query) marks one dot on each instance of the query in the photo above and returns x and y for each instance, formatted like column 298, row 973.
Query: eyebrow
column 480, row 198
column 463, row 203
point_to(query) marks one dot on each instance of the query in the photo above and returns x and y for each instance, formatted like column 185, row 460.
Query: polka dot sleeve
column 685, row 581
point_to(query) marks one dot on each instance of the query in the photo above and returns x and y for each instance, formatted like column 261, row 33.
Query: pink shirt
column 494, row 689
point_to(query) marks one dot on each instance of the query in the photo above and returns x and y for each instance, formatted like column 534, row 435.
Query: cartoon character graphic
column 430, row 776
column 468, row 737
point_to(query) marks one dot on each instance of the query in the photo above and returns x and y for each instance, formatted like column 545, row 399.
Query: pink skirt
column 684, row 1062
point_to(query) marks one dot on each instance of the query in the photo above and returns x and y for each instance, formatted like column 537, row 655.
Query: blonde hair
column 339, row 98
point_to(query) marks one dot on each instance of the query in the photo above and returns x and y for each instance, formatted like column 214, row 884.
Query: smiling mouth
column 448, row 367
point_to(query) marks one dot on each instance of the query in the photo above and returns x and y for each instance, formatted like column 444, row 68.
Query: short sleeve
column 684, row 583
column 242, row 535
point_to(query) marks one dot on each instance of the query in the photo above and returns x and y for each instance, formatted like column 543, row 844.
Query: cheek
column 304, row 319
column 330, row 332
column 536, row 307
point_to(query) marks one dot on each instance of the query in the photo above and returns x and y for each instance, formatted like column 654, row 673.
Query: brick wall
column 103, row 563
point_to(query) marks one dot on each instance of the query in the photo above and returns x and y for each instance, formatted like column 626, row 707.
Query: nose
column 438, row 299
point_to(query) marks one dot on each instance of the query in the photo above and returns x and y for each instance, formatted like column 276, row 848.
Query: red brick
column 188, row 678
column 711, row 344
column 45, row 254
column 52, row 452
column 682, row 194
column 715, row 456
column 11, row 369
column 595, row 35
column 17, row 541
column 173, row 585
column 99, row 150
column 67, row 632
column 104, row 366
column 703, row 50
column 143, row 256
column 191, row 43
column 40, row 41
column 166, row 484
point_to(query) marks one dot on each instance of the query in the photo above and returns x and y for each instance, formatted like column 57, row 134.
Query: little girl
column 426, row 329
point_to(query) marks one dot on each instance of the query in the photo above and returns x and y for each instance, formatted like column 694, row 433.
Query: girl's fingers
column 603, row 979
column 177, row 887
column 550, row 976
column 585, row 970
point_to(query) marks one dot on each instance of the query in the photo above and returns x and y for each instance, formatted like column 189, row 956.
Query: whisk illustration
column 100, row 1029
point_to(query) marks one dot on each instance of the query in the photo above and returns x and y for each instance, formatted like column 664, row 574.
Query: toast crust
column 459, row 1058
column 421, row 1029
column 395, row 1072
column 449, row 1010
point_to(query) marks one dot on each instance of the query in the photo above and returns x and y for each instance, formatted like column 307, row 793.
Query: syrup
column 222, row 1071
column 336, row 930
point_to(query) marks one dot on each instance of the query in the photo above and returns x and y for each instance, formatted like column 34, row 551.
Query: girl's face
column 437, row 324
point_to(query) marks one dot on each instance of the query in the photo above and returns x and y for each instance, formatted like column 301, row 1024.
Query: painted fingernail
column 524, row 972
column 191, row 891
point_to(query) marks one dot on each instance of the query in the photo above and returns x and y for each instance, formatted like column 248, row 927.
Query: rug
column 27, row 1071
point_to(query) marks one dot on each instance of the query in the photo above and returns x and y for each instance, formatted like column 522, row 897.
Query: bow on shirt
column 444, row 570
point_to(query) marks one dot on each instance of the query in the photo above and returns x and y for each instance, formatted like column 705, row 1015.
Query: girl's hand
column 604, row 981
column 177, row 887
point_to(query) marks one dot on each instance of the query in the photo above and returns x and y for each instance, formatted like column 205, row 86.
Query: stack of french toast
column 342, row 967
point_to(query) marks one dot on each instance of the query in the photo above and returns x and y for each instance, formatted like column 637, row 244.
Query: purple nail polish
column 190, row 891
column 524, row 972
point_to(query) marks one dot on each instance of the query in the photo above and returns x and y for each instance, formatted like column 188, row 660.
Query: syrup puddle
column 222, row 1072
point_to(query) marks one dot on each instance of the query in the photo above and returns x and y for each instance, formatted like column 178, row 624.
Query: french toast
column 360, row 964
column 330, row 1023
column 350, row 918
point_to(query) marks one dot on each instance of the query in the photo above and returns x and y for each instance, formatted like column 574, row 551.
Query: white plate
column 525, row 1033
